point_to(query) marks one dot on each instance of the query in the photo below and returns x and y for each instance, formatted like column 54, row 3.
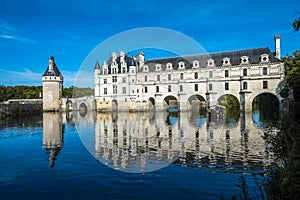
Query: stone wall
column 20, row 110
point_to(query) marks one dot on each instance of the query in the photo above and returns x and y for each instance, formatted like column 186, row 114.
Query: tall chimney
column 277, row 46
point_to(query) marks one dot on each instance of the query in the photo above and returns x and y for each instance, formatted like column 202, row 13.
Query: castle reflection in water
column 147, row 141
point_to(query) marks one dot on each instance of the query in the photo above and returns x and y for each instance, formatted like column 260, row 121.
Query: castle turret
column 97, row 79
column 52, row 87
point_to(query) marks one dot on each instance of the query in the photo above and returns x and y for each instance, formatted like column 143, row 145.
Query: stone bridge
column 78, row 104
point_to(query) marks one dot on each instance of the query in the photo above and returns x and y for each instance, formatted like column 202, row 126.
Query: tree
column 292, row 70
column 296, row 24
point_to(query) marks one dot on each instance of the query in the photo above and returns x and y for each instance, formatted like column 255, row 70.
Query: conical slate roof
column 54, row 72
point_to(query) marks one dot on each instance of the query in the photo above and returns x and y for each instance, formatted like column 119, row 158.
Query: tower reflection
column 52, row 135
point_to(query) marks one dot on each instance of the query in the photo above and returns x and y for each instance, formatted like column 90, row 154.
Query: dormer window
column 181, row 65
column 105, row 71
column 210, row 62
column 244, row 60
column 169, row 66
column 145, row 69
column 264, row 58
column 195, row 64
column 123, row 69
column 114, row 70
column 226, row 61
column 158, row 67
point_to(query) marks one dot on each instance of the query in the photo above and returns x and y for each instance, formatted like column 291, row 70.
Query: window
column 181, row 88
column 124, row 90
column 210, row 86
column 146, row 89
column 210, row 74
column 265, row 71
column 157, row 88
column 244, row 72
column 169, row 77
column 114, row 70
column 105, row 91
column 226, row 73
column 137, row 90
column 181, row 76
column 105, row 81
column 105, row 71
column 158, row 77
column 196, row 87
column 226, row 61
column 226, row 86
column 115, row 89
column 245, row 85
column 123, row 70
column 132, row 71
column 169, row 88
column 265, row 84
column 132, row 80
column 114, row 79
column 196, row 75
column 124, row 79
column 146, row 78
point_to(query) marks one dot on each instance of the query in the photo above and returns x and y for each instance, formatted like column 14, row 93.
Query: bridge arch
column 114, row 105
column 151, row 103
column 170, row 101
column 83, row 109
column 229, row 100
column 69, row 105
column 195, row 101
column 267, row 104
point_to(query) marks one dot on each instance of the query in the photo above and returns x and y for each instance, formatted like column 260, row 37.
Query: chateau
column 135, row 84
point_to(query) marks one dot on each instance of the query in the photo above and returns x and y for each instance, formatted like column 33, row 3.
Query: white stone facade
column 133, row 84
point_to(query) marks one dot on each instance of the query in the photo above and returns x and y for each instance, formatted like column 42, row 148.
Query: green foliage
column 296, row 24
column 284, row 178
column 292, row 70
column 19, row 92
column 284, row 92
column 81, row 92
column 229, row 101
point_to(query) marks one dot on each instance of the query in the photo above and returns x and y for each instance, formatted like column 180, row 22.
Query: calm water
column 132, row 155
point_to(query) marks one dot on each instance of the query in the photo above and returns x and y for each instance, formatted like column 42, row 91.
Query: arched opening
column 265, row 107
column 172, row 118
column 196, row 103
column 151, row 103
column 83, row 109
column 170, row 103
column 229, row 104
column 114, row 105
column 69, row 105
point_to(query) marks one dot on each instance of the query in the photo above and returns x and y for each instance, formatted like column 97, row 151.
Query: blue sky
column 31, row 31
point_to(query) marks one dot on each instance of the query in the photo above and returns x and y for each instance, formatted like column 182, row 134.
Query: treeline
column 19, row 92
column 35, row 92
column 74, row 92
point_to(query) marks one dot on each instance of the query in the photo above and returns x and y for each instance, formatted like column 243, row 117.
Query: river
column 155, row 155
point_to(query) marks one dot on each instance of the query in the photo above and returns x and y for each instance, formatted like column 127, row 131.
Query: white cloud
column 9, row 32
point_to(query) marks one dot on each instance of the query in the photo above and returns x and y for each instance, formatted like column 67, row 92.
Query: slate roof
column 55, row 71
column 254, row 56
column 129, row 61
column 97, row 66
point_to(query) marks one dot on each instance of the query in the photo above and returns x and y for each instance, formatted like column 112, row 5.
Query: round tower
column 52, row 87
column 97, row 79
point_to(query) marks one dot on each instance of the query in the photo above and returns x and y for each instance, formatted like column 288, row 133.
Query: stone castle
column 127, row 83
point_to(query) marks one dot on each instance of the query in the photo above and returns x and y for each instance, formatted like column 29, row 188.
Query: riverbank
column 20, row 110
